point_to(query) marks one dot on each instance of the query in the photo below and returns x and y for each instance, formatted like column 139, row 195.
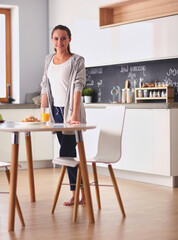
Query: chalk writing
column 96, row 70
column 172, row 72
column 138, row 69
column 91, row 83
column 124, row 68
column 99, row 83
column 133, row 79
column 169, row 81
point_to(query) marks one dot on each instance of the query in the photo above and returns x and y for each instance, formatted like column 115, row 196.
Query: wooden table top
column 41, row 127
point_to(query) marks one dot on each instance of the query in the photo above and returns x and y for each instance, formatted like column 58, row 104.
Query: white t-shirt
column 58, row 75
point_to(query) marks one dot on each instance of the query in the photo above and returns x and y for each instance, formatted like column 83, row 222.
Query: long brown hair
column 62, row 27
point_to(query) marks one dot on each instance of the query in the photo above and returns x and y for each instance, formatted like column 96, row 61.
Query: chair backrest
column 110, row 137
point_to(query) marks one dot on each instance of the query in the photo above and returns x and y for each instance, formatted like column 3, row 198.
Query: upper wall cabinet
column 128, row 11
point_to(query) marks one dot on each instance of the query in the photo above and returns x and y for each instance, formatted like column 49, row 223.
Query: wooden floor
column 152, row 211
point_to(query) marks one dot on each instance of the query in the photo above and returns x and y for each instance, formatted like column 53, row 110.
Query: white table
column 15, row 129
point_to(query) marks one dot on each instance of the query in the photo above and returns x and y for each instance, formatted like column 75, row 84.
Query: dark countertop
column 101, row 105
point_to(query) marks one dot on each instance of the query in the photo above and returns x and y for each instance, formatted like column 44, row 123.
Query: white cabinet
column 42, row 143
column 108, row 2
column 144, row 147
column 149, row 140
column 146, row 140
column 145, row 40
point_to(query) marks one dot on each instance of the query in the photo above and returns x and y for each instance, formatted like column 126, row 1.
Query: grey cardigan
column 77, row 80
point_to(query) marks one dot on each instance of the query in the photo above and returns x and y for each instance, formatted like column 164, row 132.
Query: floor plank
column 151, row 211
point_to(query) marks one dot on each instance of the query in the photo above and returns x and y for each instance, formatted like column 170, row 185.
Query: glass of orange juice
column 45, row 115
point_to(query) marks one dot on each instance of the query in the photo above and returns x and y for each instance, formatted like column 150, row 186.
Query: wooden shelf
column 151, row 98
column 128, row 11
column 155, row 88
column 168, row 98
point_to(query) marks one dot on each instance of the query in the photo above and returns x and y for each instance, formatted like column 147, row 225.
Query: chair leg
column 58, row 188
column 17, row 201
column 116, row 190
column 77, row 190
column 96, row 185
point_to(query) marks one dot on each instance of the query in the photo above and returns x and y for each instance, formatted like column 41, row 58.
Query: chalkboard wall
column 103, row 78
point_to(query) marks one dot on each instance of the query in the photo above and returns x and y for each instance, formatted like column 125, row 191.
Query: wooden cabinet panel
column 136, row 10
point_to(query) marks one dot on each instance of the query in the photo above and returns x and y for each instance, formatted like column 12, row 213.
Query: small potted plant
column 88, row 93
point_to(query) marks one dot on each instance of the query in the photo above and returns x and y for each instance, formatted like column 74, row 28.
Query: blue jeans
column 68, row 144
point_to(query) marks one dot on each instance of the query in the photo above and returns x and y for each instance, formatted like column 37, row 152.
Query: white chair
column 109, row 149
column 6, row 165
column 66, row 162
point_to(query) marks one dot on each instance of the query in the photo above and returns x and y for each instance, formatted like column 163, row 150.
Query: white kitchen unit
column 150, row 137
column 42, row 143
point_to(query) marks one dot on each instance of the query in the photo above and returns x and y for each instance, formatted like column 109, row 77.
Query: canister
column 123, row 95
column 129, row 96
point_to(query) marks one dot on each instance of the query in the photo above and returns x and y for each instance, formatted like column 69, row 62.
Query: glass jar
column 151, row 94
column 140, row 93
column 159, row 93
column 145, row 93
column 163, row 94
column 154, row 94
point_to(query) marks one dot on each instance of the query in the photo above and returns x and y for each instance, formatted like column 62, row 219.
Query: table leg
column 30, row 166
column 13, row 180
column 85, row 178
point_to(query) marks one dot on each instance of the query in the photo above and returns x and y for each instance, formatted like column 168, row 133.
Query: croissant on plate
column 30, row 118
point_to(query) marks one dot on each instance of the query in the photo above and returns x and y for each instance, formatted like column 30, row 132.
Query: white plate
column 29, row 123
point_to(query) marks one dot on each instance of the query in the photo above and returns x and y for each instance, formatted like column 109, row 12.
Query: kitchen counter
column 101, row 105
column 135, row 105
column 18, row 106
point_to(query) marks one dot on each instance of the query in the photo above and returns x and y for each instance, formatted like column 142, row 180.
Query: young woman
column 63, row 80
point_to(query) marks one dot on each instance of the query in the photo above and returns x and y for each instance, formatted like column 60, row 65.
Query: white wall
column 139, row 41
column 29, row 44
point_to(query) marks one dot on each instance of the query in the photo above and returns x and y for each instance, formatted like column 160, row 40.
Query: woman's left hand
column 74, row 119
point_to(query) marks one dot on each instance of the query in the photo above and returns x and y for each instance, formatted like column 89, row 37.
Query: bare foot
column 69, row 203
column 82, row 201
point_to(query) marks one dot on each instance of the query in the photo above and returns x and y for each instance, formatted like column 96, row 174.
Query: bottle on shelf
column 140, row 82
